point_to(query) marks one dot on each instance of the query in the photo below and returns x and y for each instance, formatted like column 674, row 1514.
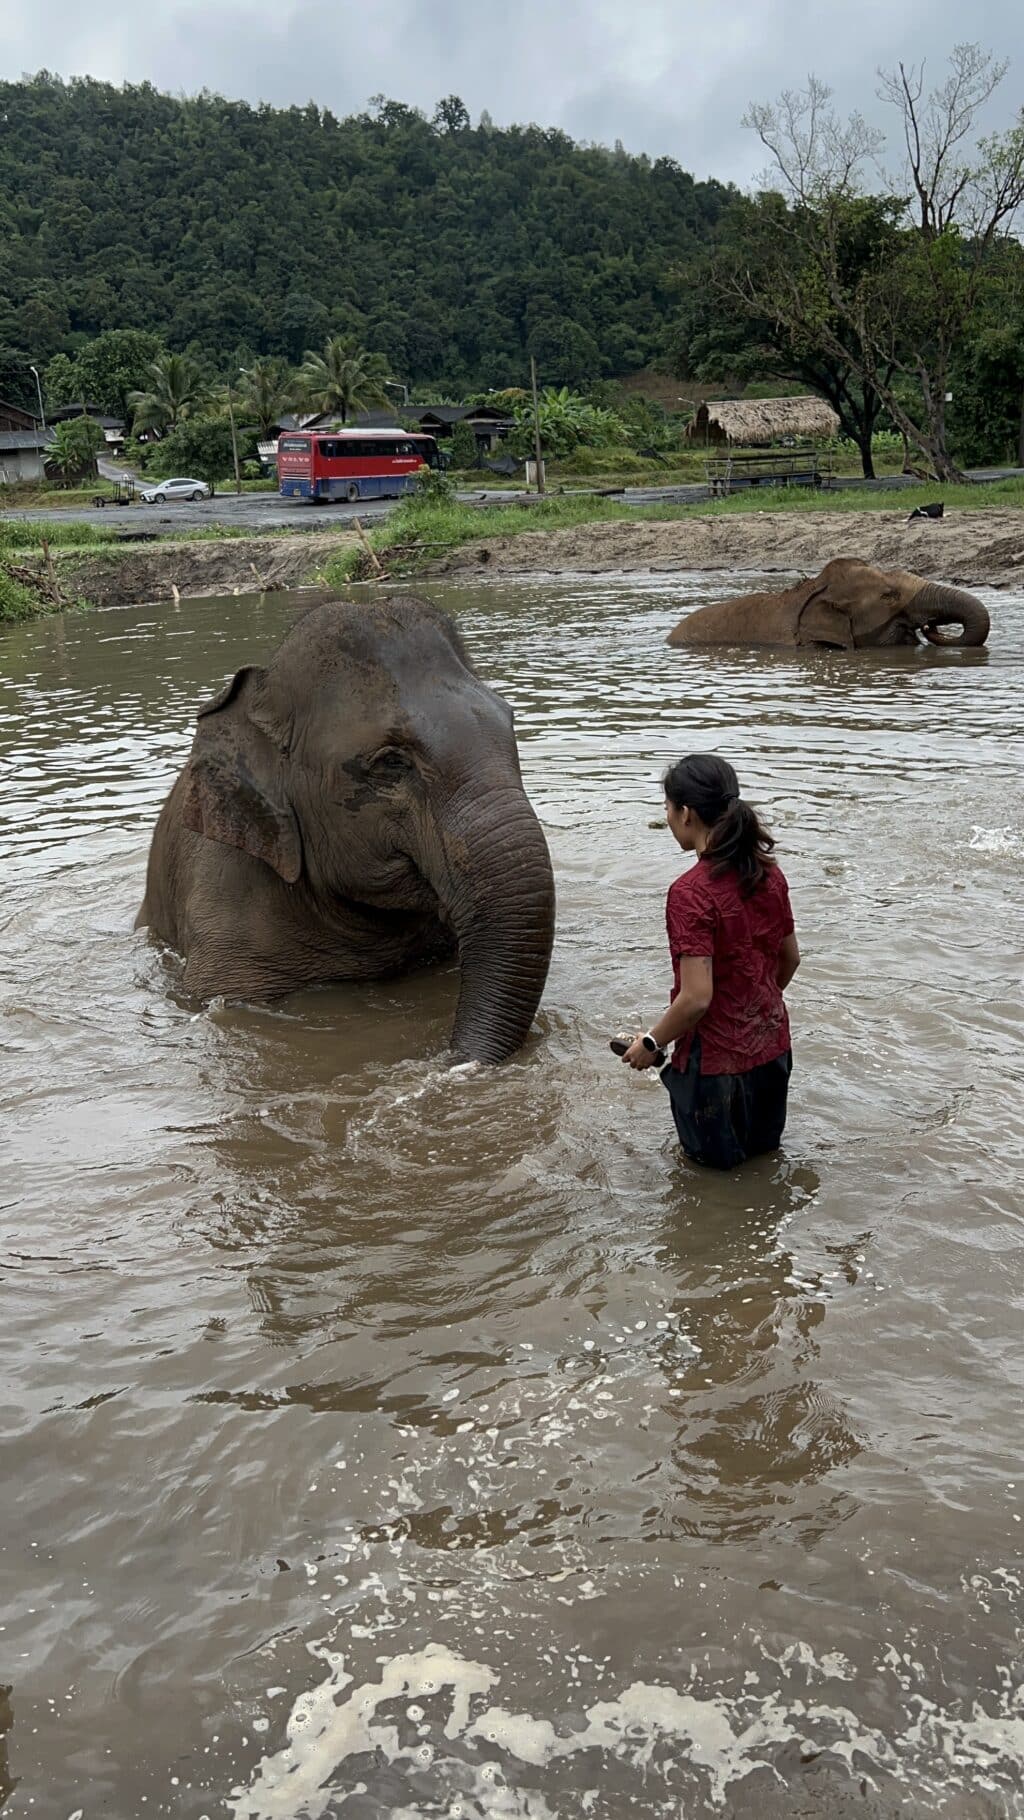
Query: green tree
column 176, row 389
column 986, row 415
column 60, row 382
column 343, row 379
column 103, row 372
column 964, row 192
column 464, row 447
column 302, row 319
column 74, row 447
column 265, row 389
column 566, row 422
column 451, row 115
column 17, row 386
column 738, row 322
column 199, row 447
column 565, row 352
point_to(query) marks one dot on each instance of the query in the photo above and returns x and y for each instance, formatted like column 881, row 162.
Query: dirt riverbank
column 119, row 577
column 984, row 547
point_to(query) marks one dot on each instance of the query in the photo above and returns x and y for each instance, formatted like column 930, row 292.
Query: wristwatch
column 651, row 1044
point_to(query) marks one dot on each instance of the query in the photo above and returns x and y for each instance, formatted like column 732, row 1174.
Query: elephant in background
column 353, row 809
column 849, row 606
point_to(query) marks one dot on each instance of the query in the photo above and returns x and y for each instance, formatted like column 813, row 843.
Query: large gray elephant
column 352, row 809
column 848, row 605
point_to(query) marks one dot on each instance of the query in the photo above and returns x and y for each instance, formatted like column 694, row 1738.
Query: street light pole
column 39, row 391
column 536, row 427
column 234, row 439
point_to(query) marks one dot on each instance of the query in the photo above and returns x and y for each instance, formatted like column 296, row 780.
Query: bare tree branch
column 943, row 171
column 962, row 192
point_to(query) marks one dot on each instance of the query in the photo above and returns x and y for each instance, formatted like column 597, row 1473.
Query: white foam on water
column 323, row 1732
column 724, row 1739
column 996, row 840
column 832, row 1666
column 637, row 1722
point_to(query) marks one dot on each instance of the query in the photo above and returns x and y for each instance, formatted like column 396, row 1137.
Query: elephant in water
column 849, row 605
column 353, row 809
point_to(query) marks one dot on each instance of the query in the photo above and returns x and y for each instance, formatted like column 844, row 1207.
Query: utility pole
column 234, row 441
column 536, row 426
column 39, row 395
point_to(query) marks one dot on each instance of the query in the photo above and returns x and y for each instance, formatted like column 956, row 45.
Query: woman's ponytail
column 739, row 841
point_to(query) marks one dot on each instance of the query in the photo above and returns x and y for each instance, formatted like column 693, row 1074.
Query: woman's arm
column 789, row 961
column 696, row 988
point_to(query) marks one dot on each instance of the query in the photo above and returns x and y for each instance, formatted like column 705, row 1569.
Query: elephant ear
column 235, row 785
column 820, row 622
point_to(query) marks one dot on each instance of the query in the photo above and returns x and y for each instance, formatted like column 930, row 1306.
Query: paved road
column 252, row 511
column 268, row 512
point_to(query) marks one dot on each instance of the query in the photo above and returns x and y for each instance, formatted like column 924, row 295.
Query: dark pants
column 722, row 1119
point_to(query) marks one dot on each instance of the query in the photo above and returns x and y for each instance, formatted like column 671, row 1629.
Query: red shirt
column 707, row 915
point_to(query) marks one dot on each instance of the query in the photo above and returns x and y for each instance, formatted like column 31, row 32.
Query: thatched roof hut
column 757, row 422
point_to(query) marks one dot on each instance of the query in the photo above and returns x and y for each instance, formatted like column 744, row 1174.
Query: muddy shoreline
column 982, row 548
column 985, row 547
column 151, row 572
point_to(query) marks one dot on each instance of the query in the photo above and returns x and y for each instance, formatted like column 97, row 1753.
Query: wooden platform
column 774, row 468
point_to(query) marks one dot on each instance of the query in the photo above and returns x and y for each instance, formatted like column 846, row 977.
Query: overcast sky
column 664, row 76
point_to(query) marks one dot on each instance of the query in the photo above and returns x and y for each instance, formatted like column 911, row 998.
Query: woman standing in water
column 730, row 934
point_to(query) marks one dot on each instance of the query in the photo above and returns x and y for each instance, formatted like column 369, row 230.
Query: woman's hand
column 637, row 1056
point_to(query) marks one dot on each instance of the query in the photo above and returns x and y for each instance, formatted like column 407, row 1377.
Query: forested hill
column 454, row 250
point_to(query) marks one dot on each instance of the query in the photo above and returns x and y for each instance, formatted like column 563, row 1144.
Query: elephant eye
column 390, row 763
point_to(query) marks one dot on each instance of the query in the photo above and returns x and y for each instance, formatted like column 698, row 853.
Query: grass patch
column 29, row 589
column 965, row 498
column 24, row 496
column 17, row 600
column 23, row 534
column 29, row 583
column 420, row 532
column 618, row 467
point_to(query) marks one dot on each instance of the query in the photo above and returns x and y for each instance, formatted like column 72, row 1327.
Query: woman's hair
column 739, row 840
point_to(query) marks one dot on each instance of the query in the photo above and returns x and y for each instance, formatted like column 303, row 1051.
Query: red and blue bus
column 324, row 465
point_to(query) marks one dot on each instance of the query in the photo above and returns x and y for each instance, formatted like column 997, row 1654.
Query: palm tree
column 343, row 379
column 265, row 389
column 74, row 447
column 177, row 389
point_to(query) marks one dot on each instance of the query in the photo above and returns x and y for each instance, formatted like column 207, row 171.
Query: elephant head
column 375, row 774
column 849, row 605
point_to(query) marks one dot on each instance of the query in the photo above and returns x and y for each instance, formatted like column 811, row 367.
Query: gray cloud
column 669, row 77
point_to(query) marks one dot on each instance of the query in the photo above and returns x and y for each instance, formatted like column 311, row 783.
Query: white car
column 174, row 489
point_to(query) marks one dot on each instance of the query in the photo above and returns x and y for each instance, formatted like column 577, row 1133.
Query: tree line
column 287, row 253
column 231, row 232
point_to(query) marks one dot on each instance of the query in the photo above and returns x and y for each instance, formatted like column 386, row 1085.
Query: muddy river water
column 382, row 1441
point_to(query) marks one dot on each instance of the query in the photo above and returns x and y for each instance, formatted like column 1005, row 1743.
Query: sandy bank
column 985, row 547
column 143, row 572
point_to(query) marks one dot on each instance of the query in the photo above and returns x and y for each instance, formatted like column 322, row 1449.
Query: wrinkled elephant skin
column 353, row 809
column 848, row 606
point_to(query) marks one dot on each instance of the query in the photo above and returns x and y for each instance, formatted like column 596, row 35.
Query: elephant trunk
column 497, row 890
column 937, row 605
